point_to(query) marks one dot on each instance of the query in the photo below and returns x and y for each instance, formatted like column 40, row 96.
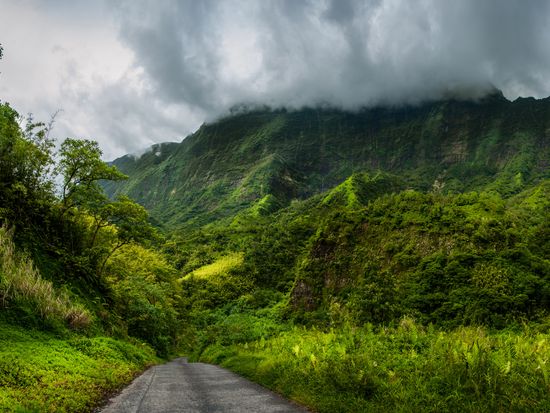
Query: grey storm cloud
column 349, row 53
column 132, row 73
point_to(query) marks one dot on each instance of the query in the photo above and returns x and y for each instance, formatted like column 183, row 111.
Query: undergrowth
column 57, row 369
column 43, row 373
column 406, row 368
column 22, row 284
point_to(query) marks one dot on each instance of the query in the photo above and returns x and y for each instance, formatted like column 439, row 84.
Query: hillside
column 227, row 165
column 375, row 297
column 87, row 300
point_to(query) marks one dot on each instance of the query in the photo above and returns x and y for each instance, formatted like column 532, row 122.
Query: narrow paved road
column 179, row 386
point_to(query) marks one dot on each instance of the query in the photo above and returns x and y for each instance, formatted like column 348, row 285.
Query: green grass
column 407, row 368
column 40, row 372
column 22, row 285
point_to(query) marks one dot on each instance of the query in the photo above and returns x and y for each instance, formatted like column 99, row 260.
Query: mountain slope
column 226, row 166
column 333, row 256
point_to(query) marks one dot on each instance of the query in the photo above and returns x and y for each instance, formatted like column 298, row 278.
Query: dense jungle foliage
column 390, row 259
column 365, row 300
column 86, row 296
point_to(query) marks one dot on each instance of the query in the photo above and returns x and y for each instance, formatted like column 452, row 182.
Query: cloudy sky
column 132, row 73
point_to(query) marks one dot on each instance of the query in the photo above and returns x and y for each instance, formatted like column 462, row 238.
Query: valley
column 332, row 206
column 385, row 259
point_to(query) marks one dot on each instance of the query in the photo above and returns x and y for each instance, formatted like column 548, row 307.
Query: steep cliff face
column 228, row 165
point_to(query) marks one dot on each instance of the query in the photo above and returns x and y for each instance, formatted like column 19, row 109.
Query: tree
column 40, row 156
column 82, row 169
column 26, row 164
column 131, row 221
column 99, row 208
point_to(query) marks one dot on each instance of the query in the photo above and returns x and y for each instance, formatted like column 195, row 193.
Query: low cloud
column 133, row 73
column 348, row 53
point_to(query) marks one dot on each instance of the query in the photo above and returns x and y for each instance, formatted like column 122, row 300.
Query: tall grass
column 408, row 368
column 22, row 285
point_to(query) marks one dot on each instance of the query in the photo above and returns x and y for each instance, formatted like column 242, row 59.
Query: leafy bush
column 145, row 294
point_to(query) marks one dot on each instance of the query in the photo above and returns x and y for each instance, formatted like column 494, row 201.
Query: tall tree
column 82, row 169
column 26, row 163
column 131, row 221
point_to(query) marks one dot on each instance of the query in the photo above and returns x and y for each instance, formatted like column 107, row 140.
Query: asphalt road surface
column 179, row 386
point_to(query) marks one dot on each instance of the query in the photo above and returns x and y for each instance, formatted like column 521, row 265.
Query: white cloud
column 67, row 56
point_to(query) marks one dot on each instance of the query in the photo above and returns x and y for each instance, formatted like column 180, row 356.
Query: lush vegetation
column 389, row 259
column 42, row 372
column 407, row 368
column 79, row 243
column 364, row 301
column 22, row 286
column 279, row 155
column 421, row 288
column 87, row 299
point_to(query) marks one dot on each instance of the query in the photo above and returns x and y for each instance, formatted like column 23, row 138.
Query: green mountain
column 274, row 156
column 389, row 259
column 382, row 213
column 385, row 260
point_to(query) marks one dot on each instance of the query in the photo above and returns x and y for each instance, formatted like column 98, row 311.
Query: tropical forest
column 390, row 255
column 389, row 259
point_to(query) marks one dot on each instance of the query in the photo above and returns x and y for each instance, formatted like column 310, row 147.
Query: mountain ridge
column 227, row 165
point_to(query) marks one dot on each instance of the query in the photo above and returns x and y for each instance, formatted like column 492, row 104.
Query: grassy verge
column 404, row 369
column 52, row 357
column 40, row 372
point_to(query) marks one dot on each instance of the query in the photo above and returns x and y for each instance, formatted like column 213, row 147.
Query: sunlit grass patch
column 219, row 267
column 43, row 373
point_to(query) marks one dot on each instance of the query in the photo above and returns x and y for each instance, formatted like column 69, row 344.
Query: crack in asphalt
column 153, row 369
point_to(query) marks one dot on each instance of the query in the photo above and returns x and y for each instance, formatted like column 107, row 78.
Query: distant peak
column 489, row 93
column 494, row 94
column 156, row 149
